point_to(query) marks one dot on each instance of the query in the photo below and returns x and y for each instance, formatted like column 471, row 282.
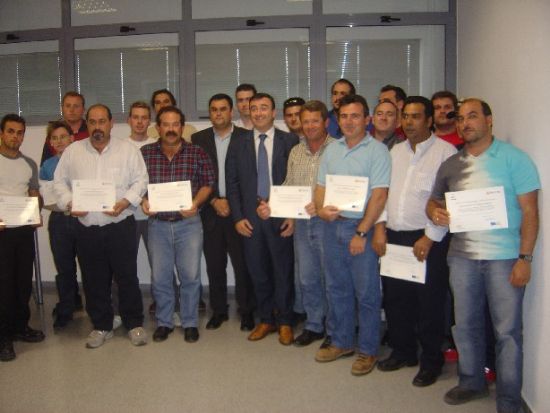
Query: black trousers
column 106, row 252
column 220, row 239
column 416, row 312
column 16, row 270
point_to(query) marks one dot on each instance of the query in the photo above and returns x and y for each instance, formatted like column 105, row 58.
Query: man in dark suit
column 220, row 236
column 251, row 169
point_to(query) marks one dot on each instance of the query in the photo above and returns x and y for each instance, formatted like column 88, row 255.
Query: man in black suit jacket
column 267, row 243
column 220, row 236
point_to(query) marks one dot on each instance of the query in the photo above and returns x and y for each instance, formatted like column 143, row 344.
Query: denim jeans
column 473, row 282
column 176, row 243
column 308, row 248
column 353, row 287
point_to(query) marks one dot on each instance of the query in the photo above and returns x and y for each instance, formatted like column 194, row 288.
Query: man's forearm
column 375, row 206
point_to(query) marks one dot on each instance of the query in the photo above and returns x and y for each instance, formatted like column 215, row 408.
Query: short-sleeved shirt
column 368, row 158
column 18, row 175
column 502, row 164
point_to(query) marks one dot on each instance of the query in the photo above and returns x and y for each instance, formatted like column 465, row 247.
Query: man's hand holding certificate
column 477, row 209
column 399, row 262
column 289, row 201
column 19, row 210
column 91, row 195
column 347, row 193
column 170, row 196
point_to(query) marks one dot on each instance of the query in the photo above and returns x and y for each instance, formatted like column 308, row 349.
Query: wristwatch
column 361, row 234
column 525, row 257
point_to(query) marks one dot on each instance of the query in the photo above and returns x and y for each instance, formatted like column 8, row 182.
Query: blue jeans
column 176, row 243
column 473, row 282
column 350, row 280
column 308, row 249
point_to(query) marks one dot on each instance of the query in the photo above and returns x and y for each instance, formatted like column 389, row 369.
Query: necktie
column 263, row 169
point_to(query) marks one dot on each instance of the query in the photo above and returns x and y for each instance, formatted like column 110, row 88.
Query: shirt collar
column 363, row 142
column 221, row 138
column 270, row 132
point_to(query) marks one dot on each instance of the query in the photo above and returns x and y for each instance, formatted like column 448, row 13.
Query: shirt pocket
column 424, row 182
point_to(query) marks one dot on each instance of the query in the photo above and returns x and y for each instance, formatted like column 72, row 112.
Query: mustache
column 97, row 134
column 170, row 133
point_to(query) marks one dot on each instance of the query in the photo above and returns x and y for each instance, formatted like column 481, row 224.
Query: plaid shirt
column 190, row 163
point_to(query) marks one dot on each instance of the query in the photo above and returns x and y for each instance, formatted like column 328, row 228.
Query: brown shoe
column 286, row 337
column 332, row 353
column 261, row 330
column 363, row 365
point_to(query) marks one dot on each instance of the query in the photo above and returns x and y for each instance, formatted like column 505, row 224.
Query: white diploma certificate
column 400, row 262
column 19, row 210
column 170, row 196
column 347, row 193
column 477, row 209
column 90, row 195
column 289, row 201
column 47, row 192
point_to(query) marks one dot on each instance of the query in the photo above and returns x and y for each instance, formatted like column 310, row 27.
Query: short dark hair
column 99, row 105
column 12, row 117
column 262, row 95
column 349, row 99
column 141, row 105
column 246, row 87
column 385, row 101
column 221, row 96
column 170, row 109
column 295, row 101
column 56, row 124
column 446, row 94
column 347, row 82
column 315, row 106
column 485, row 108
column 427, row 103
column 165, row 92
column 73, row 94
column 399, row 93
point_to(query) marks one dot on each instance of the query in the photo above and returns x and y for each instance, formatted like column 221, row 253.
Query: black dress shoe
column 247, row 322
column 7, row 353
column 61, row 321
column 426, row 377
column 162, row 333
column 326, row 342
column 191, row 334
column 307, row 337
column 29, row 335
column 216, row 321
column 392, row 364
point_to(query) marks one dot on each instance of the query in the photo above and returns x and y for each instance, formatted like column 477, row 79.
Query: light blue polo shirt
column 368, row 158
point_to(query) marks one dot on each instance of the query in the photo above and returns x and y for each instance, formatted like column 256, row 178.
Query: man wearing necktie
column 251, row 169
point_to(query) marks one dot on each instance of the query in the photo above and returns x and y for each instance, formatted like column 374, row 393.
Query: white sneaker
column 117, row 322
column 176, row 320
column 97, row 338
column 138, row 336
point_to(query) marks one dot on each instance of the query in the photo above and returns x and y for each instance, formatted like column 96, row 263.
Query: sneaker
column 7, row 353
column 490, row 375
column 332, row 353
column 451, row 355
column 117, row 322
column 97, row 338
column 460, row 395
column 363, row 365
column 138, row 336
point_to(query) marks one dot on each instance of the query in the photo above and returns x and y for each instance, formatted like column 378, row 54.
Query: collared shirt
column 368, row 158
column 412, row 178
column 222, row 144
column 119, row 162
column 239, row 122
column 391, row 140
column 268, row 142
column 190, row 163
column 502, row 164
column 303, row 166
column 139, row 215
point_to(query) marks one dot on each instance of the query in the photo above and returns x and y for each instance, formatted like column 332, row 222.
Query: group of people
column 412, row 150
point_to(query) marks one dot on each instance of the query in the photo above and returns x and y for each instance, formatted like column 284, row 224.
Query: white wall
column 504, row 58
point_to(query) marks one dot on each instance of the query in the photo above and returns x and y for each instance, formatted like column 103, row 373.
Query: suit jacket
column 242, row 177
column 205, row 139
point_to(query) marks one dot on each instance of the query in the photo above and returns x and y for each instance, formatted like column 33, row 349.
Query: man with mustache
column 106, row 246
column 175, row 238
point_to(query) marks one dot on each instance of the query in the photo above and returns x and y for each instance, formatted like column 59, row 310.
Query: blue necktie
column 263, row 169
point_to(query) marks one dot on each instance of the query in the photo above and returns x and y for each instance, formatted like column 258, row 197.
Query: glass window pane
column 276, row 61
column 117, row 71
column 248, row 8
column 412, row 57
column 85, row 12
column 30, row 14
column 29, row 79
column 384, row 6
